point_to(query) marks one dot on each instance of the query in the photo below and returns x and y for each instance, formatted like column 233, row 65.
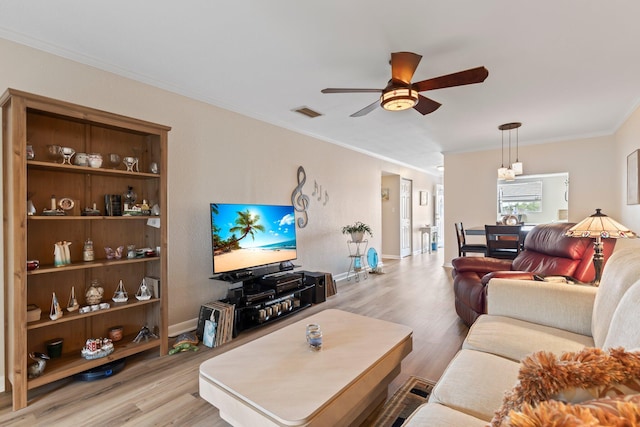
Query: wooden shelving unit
column 40, row 122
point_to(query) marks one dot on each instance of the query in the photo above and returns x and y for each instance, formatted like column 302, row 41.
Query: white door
column 405, row 217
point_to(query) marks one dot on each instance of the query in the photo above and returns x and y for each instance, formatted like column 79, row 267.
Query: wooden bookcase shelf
column 39, row 122
column 87, row 218
column 71, row 317
column 34, row 164
column 83, row 265
column 68, row 365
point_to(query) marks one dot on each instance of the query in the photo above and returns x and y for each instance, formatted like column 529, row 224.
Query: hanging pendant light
column 502, row 171
column 517, row 166
column 509, row 174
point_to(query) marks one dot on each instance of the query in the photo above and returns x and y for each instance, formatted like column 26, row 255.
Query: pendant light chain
column 502, row 151
column 509, row 149
column 517, row 150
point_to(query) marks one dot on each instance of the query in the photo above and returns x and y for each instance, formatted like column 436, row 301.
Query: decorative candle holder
column 131, row 163
column 67, row 153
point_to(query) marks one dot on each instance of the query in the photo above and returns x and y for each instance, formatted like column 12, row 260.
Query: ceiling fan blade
column 426, row 105
column 366, row 110
column 346, row 90
column 403, row 65
column 467, row 77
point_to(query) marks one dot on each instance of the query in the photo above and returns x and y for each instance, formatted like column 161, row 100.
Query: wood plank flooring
column 415, row 291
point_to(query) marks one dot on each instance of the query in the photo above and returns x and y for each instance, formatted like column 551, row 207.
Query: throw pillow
column 544, row 376
column 620, row 411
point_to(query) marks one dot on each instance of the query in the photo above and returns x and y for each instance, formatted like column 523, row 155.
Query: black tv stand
column 254, row 272
column 266, row 294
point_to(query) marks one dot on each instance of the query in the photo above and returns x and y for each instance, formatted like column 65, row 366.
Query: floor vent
column 307, row 112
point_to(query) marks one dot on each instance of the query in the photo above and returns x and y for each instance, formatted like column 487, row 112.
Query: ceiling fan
column 401, row 94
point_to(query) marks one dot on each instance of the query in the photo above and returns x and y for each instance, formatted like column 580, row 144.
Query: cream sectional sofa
column 524, row 317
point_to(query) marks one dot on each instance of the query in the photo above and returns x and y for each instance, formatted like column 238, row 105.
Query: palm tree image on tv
column 250, row 235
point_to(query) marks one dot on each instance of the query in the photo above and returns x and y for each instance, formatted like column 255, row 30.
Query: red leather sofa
column 547, row 251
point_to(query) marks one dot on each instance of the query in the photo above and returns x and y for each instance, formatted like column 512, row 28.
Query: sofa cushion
column 548, row 251
column 621, row 271
column 474, row 383
column 550, row 239
column 515, row 339
column 545, row 264
column 557, row 305
column 544, row 376
column 436, row 415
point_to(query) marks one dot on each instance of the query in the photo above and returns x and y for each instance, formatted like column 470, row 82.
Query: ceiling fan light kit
column 401, row 94
column 399, row 99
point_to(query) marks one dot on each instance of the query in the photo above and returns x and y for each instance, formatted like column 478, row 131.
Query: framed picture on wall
column 633, row 189
column 385, row 194
column 424, row 198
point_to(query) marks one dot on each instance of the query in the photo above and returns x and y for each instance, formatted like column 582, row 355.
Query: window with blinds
column 520, row 197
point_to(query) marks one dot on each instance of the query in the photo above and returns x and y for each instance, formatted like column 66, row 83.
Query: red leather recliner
column 547, row 251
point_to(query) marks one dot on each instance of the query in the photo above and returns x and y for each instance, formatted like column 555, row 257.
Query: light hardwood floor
column 415, row 291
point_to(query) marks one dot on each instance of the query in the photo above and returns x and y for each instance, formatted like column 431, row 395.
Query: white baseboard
column 339, row 277
column 2, row 383
column 186, row 326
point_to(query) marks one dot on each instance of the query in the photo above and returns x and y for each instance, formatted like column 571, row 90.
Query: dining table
column 478, row 230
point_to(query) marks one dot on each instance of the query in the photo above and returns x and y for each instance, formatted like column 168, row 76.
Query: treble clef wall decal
column 299, row 200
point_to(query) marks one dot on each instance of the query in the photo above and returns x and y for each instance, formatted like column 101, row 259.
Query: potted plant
column 357, row 231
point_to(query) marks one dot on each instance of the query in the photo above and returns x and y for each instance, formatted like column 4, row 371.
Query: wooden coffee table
column 277, row 380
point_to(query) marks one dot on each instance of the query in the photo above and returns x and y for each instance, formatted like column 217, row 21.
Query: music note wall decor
column 317, row 191
column 300, row 201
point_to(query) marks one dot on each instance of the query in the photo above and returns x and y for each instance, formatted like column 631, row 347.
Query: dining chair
column 463, row 247
column 503, row 241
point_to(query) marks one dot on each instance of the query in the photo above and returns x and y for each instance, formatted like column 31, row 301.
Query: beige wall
column 627, row 141
column 220, row 156
column 595, row 175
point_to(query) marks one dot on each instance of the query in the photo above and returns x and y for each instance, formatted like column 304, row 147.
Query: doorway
column 405, row 217
column 397, row 216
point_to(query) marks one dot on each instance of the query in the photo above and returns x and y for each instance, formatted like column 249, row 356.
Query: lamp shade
column 600, row 225
column 517, row 168
column 510, row 175
column 502, row 173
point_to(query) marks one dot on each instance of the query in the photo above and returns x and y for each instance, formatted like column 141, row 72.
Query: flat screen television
column 246, row 235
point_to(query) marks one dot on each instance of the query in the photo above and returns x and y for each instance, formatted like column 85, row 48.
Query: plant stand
column 357, row 255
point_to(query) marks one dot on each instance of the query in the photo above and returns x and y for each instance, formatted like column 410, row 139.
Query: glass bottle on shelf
column 94, row 292
column 88, row 253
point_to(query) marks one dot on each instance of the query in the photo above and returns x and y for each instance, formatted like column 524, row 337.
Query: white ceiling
column 566, row 69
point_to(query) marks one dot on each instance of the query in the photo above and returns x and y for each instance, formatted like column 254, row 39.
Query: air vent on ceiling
column 307, row 112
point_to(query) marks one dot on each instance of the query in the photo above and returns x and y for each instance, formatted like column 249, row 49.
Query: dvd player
column 278, row 278
column 282, row 282
column 261, row 295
